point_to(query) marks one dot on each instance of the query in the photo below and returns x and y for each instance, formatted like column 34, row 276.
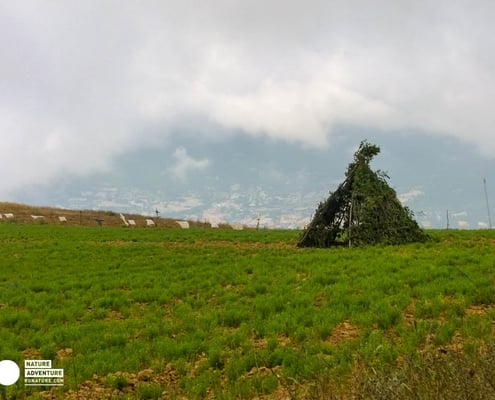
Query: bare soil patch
column 343, row 332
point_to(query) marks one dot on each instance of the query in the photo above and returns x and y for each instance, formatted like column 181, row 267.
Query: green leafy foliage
column 363, row 210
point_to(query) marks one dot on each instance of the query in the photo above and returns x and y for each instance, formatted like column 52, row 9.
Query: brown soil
column 342, row 332
column 118, row 385
column 481, row 309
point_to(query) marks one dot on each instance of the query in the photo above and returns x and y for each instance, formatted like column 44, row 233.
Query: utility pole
column 487, row 205
column 447, row 219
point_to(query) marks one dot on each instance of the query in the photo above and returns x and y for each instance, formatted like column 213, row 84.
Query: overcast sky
column 85, row 84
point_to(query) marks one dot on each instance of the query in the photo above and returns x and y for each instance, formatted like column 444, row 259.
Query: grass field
column 222, row 314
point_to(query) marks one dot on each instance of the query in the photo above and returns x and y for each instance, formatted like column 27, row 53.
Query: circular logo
column 9, row 372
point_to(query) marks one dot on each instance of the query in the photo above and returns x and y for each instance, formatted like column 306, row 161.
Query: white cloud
column 84, row 82
column 213, row 217
column 185, row 164
column 482, row 225
column 459, row 214
column 429, row 72
column 178, row 206
column 410, row 195
column 228, row 204
column 294, row 221
column 426, row 224
column 463, row 224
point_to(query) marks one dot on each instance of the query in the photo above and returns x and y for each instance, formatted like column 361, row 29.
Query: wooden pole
column 350, row 223
column 487, row 205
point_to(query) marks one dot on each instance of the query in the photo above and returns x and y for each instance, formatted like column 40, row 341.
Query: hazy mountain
column 243, row 178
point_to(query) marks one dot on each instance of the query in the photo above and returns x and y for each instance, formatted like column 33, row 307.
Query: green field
column 222, row 314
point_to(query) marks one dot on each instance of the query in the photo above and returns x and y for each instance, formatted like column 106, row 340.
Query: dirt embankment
column 20, row 213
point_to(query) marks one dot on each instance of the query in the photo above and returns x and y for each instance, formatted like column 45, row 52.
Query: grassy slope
column 24, row 214
column 230, row 314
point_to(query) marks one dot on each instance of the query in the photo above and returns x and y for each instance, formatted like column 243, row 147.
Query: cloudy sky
column 233, row 110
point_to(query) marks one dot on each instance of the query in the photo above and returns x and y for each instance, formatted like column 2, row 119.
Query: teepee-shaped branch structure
column 363, row 210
